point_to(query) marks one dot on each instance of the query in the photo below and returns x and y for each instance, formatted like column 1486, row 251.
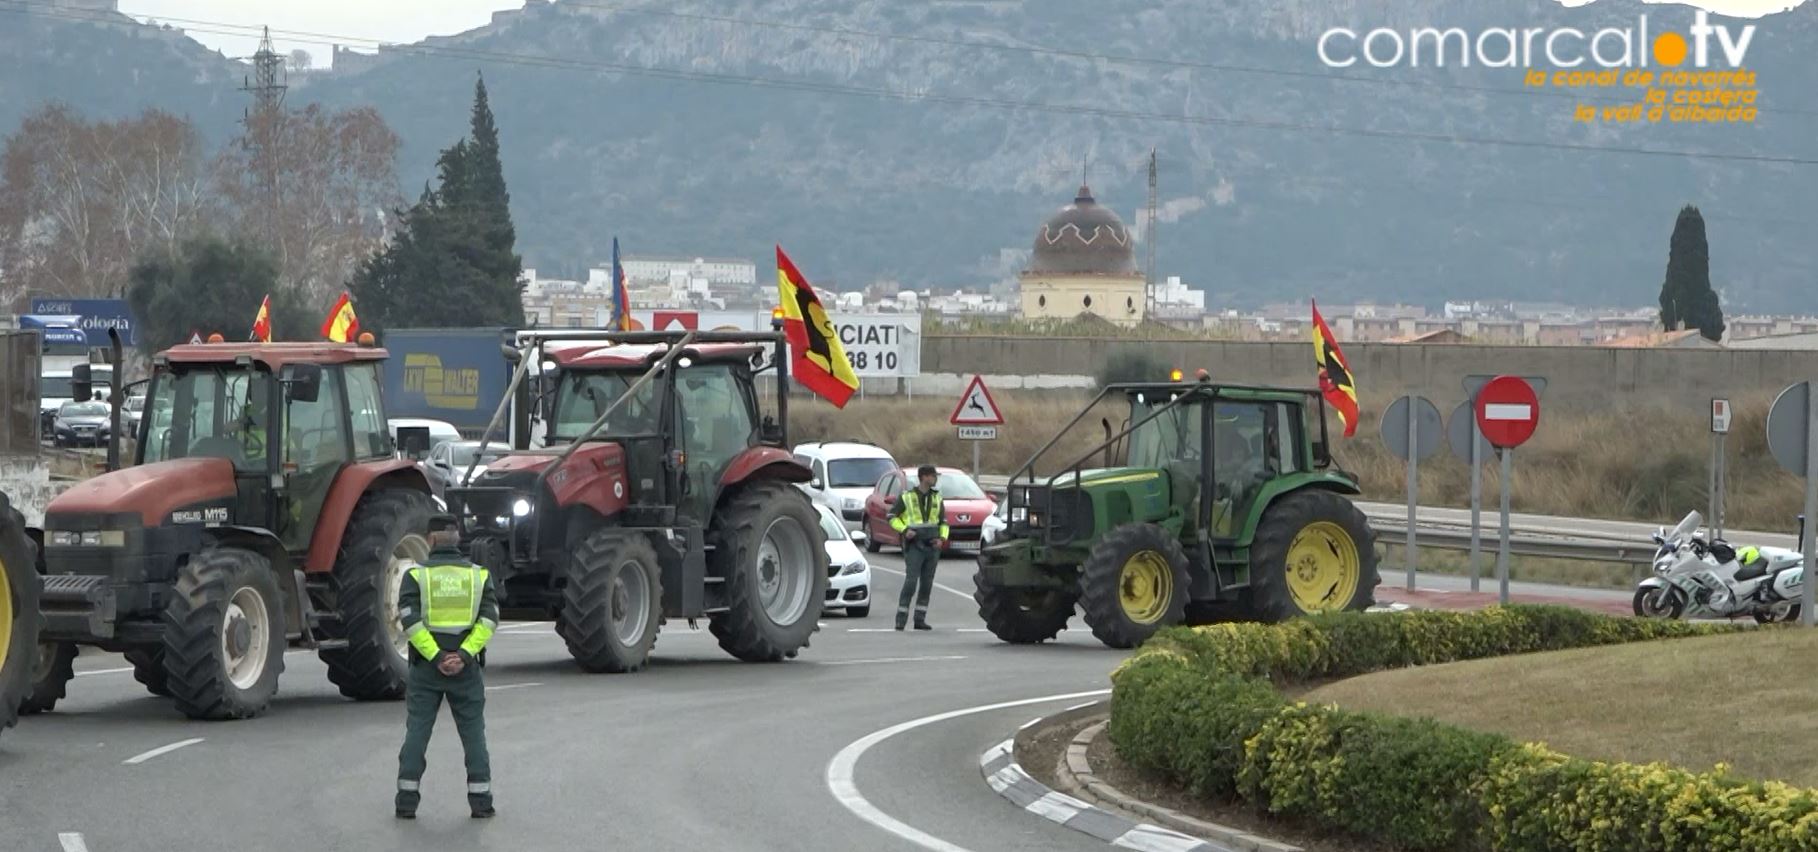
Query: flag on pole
column 261, row 330
column 341, row 326
column 1335, row 381
column 621, row 297
column 816, row 356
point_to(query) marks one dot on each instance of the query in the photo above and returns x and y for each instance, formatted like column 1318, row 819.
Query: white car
column 996, row 522
column 849, row 575
column 439, row 430
column 843, row 475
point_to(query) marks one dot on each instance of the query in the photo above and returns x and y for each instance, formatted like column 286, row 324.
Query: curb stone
column 1076, row 772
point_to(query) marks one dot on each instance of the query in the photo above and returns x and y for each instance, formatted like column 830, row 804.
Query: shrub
column 1197, row 705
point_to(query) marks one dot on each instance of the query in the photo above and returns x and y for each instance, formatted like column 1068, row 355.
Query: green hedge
column 1197, row 704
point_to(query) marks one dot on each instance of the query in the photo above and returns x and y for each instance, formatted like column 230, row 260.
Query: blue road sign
column 96, row 316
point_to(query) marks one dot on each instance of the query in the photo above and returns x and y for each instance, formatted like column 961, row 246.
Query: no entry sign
column 1507, row 411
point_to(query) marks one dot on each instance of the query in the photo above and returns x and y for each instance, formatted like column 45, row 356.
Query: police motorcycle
column 1694, row 578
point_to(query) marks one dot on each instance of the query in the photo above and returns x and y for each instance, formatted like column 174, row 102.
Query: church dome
column 1084, row 239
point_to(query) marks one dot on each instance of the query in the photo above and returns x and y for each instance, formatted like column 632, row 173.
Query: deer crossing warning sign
column 976, row 407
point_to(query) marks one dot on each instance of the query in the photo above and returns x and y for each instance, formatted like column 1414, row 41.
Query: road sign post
column 1508, row 411
column 1720, row 428
column 977, row 417
column 1792, row 432
column 1469, row 445
column 1411, row 430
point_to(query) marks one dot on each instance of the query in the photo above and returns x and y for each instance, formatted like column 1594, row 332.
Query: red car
column 967, row 508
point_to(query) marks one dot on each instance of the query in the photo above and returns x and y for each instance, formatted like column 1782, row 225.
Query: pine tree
column 1686, row 296
column 452, row 262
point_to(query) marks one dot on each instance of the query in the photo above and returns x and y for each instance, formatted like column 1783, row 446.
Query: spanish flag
column 261, row 330
column 341, row 326
column 819, row 362
column 1334, row 373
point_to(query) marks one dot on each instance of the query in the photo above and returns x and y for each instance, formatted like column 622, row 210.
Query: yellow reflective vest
column 449, row 605
column 915, row 509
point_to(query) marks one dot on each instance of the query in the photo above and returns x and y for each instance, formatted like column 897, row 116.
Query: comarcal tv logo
column 1671, row 66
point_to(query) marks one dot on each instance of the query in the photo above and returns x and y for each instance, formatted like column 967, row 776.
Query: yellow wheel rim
column 6, row 612
column 1145, row 587
column 1323, row 568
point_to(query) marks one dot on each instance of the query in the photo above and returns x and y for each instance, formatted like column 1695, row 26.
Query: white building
column 1175, row 298
column 718, row 272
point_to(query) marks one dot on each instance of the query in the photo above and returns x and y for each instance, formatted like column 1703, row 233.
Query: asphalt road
column 698, row 752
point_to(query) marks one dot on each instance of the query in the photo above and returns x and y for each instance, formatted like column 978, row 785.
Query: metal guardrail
column 1540, row 540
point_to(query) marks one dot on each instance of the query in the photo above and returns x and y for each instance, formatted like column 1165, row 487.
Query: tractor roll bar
column 511, row 392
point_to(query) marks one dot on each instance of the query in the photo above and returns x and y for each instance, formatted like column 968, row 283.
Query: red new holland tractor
column 660, row 491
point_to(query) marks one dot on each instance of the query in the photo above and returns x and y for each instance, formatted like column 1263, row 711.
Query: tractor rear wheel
column 224, row 635
column 386, row 531
column 19, row 620
column 1022, row 616
column 612, row 605
column 1314, row 552
column 148, row 670
column 773, row 555
column 52, row 671
column 1134, row 583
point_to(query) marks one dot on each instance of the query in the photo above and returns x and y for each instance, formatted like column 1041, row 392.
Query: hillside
column 930, row 192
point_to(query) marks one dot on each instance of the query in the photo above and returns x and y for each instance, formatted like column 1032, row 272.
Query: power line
column 531, row 60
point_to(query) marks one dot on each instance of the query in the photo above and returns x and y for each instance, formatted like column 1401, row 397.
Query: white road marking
column 870, row 630
column 841, row 784
column 1080, row 706
column 1030, row 724
column 512, row 686
column 1148, row 838
column 942, row 587
column 885, row 660
column 160, row 750
column 104, row 671
column 72, row 842
column 973, row 630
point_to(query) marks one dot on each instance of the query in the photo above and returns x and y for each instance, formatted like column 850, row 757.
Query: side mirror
column 771, row 433
column 857, row 536
column 81, row 383
column 302, row 382
column 511, row 353
column 413, row 441
column 815, row 483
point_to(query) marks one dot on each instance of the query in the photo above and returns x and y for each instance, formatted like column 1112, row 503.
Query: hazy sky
column 386, row 20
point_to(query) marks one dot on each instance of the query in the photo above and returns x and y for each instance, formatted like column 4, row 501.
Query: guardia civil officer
column 449, row 610
column 917, row 517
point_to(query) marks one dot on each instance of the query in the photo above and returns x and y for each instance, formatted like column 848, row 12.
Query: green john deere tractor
column 1226, row 506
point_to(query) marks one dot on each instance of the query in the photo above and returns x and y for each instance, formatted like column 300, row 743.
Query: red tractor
column 660, row 492
column 266, row 507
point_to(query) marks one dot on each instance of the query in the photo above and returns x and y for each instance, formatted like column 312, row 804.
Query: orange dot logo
column 1669, row 49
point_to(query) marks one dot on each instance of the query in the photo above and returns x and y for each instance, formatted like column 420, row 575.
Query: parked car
column 82, row 424
column 848, row 574
column 968, row 510
column 132, row 411
column 448, row 462
column 439, row 430
column 843, row 474
column 996, row 524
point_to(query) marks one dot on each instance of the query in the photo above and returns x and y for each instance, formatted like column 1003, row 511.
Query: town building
column 1084, row 263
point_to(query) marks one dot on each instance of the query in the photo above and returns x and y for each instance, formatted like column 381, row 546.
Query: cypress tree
column 1686, row 295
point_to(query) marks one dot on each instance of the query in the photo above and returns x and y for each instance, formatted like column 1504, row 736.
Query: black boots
column 920, row 625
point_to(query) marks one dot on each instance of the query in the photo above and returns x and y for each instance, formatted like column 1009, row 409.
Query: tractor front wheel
column 51, row 674
column 19, row 589
column 612, row 605
column 1022, row 616
column 1134, row 583
column 1314, row 552
column 148, row 670
column 386, row 534
column 773, row 556
column 224, row 635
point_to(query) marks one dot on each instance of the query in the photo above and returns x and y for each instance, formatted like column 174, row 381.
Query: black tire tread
column 1011, row 623
column 148, row 670
column 736, row 528
column 16, row 553
column 1102, row 572
column 1269, row 599
column 192, row 662
column 368, row 668
column 585, row 622
column 45, row 693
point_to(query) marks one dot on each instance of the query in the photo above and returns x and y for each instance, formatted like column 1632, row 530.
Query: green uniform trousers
column 919, row 562
column 466, row 694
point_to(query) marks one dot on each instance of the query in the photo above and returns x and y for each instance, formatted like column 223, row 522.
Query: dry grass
column 1638, row 462
column 1740, row 700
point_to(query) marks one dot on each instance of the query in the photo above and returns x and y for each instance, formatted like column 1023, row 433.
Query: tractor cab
column 1213, row 501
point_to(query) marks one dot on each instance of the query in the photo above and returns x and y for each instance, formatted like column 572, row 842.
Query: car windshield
column 831, row 525
column 857, row 473
column 464, row 454
column 582, row 397
column 136, row 403
column 958, row 486
column 83, row 409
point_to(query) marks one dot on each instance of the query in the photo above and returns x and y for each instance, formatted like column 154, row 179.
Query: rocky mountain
column 722, row 126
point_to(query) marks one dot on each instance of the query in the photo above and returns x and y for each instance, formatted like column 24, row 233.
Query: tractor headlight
column 101, row 538
column 520, row 508
column 65, row 539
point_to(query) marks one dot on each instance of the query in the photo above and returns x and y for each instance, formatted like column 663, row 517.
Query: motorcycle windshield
column 1686, row 527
